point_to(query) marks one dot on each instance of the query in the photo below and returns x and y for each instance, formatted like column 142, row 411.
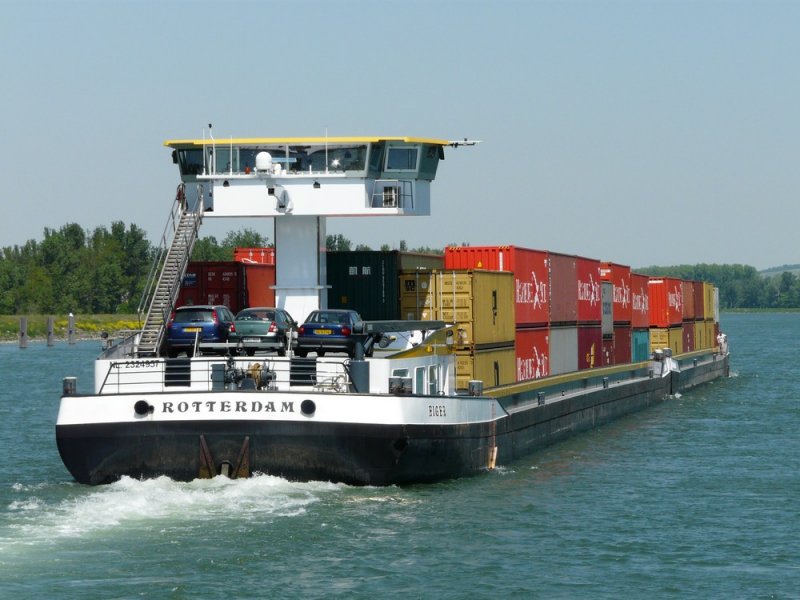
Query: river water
column 698, row 497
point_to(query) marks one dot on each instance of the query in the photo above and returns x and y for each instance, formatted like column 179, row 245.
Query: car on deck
column 200, row 324
column 262, row 328
column 328, row 330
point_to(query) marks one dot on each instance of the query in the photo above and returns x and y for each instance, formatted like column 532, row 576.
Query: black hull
column 360, row 454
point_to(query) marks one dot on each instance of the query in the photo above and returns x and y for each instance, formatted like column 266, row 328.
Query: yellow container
column 416, row 295
column 495, row 366
column 708, row 301
column 480, row 303
column 661, row 338
column 710, row 338
column 700, row 339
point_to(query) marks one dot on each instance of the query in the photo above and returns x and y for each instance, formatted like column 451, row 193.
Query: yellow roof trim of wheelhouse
column 303, row 140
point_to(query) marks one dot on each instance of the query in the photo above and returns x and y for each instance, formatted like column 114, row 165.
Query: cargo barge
column 506, row 349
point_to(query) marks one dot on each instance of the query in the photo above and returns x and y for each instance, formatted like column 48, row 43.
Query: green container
column 369, row 281
column 640, row 345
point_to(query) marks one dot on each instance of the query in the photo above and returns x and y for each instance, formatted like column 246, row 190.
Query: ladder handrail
column 169, row 231
column 167, row 271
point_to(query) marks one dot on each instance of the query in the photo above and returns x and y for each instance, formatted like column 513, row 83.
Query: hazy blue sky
column 638, row 132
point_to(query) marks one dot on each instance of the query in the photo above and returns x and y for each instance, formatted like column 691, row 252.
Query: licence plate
column 251, row 340
column 191, row 329
column 323, row 332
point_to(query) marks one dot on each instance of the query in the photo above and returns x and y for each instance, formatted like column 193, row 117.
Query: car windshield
column 189, row 316
column 256, row 315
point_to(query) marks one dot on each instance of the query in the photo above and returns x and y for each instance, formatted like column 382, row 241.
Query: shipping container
column 687, row 293
column 716, row 305
column 532, row 353
column 234, row 284
column 620, row 278
column 640, row 345
column 607, row 296
column 666, row 301
column 708, row 301
column 622, row 344
column 671, row 337
column 640, row 301
column 417, row 295
column 369, row 281
column 688, row 337
column 263, row 256
column 531, row 276
column 590, row 346
column 590, row 309
column 563, row 350
column 699, row 303
column 563, row 290
column 493, row 366
column 480, row 303
column 259, row 285
column 700, row 341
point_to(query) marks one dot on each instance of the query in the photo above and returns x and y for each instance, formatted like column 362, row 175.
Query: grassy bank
column 85, row 325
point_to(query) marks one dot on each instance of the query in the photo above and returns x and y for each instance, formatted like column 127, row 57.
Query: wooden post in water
column 51, row 336
column 23, row 332
column 71, row 329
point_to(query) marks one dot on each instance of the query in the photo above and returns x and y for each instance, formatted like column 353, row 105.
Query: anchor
column 208, row 467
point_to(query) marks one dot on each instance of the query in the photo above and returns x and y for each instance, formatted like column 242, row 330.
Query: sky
column 643, row 133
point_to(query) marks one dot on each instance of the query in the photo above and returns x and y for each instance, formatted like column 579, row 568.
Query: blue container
column 640, row 345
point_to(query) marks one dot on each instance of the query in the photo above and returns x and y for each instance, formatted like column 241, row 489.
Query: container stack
column 480, row 304
column 666, row 313
column 640, row 317
column 689, row 316
column 617, row 336
column 368, row 281
column 531, row 294
column 237, row 285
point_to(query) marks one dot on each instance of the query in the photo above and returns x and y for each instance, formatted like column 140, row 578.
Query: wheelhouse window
column 401, row 159
column 190, row 162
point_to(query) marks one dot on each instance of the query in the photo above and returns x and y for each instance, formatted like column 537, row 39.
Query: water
column 697, row 497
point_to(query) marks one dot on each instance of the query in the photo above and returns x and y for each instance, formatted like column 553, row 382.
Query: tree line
column 103, row 271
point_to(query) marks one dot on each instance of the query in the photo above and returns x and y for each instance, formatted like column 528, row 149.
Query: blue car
column 327, row 331
column 202, row 323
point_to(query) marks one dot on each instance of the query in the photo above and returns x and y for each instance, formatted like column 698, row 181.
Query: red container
column 223, row 285
column 531, row 276
column 607, row 356
column 699, row 301
column 262, row 256
column 666, row 301
column 622, row 344
column 687, row 293
column 688, row 337
column 590, row 307
column 260, row 284
column 563, row 289
column 533, row 353
column 590, row 347
column 620, row 278
column 640, row 301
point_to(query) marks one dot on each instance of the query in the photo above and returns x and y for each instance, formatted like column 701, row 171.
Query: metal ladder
column 166, row 274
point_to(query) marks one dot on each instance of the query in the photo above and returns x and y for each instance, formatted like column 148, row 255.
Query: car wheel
column 189, row 352
column 301, row 353
column 172, row 353
column 250, row 352
column 282, row 351
column 320, row 353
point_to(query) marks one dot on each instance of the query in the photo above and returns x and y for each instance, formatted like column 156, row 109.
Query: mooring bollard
column 51, row 336
column 71, row 329
column 23, row 332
